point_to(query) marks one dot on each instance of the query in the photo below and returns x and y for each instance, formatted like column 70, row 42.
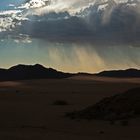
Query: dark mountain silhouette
column 120, row 73
column 25, row 72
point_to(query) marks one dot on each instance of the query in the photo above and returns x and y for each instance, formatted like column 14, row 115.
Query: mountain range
column 121, row 73
column 25, row 72
column 37, row 71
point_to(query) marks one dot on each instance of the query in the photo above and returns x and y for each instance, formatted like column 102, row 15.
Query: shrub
column 124, row 122
column 60, row 102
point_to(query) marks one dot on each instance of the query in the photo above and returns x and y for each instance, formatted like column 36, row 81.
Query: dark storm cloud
column 115, row 24
column 58, row 28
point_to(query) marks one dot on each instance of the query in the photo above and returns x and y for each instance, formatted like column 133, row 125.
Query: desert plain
column 30, row 109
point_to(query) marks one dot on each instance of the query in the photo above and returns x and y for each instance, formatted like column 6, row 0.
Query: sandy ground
column 27, row 111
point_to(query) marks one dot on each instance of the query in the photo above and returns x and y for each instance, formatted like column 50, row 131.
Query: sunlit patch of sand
column 9, row 84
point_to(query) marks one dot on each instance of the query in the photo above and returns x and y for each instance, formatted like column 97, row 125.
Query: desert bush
column 101, row 132
column 124, row 122
column 60, row 102
column 112, row 122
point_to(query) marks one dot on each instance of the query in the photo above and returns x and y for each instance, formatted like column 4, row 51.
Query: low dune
column 121, row 106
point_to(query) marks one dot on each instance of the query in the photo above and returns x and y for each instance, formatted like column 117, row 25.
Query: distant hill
column 120, row 73
column 26, row 72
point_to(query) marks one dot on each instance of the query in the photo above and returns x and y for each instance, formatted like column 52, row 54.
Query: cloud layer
column 94, row 22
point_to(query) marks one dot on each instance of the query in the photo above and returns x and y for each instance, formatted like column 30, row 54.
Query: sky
column 71, row 36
